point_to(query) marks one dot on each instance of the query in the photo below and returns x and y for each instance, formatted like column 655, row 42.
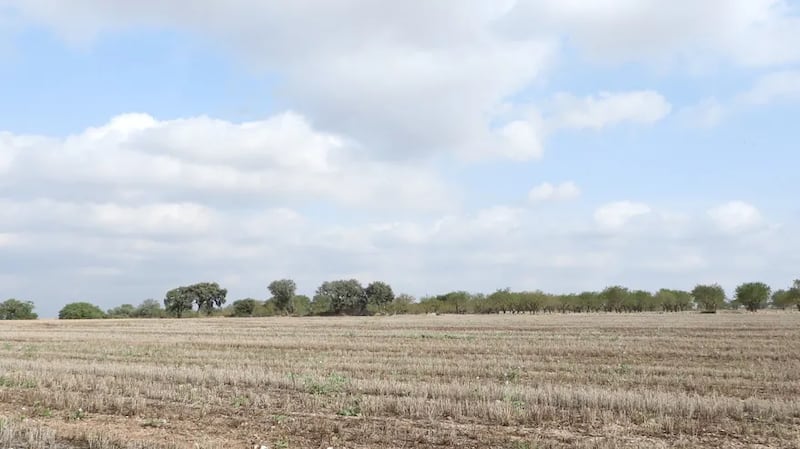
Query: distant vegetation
column 14, row 309
column 349, row 297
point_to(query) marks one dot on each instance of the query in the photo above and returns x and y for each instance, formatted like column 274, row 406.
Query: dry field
column 547, row 381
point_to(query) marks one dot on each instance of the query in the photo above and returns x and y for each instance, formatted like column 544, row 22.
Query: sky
column 559, row 145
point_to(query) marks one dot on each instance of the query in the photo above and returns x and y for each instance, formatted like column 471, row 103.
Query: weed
column 77, row 415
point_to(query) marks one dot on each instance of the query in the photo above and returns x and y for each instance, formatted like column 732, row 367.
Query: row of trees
column 349, row 297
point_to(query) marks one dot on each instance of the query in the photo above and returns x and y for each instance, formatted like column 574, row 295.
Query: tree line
column 350, row 297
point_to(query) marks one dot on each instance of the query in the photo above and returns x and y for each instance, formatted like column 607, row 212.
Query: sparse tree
column 149, row 308
column 781, row 299
column 402, row 304
column 14, row 309
column 282, row 291
column 709, row 297
column 123, row 311
column 753, row 295
column 794, row 293
column 80, row 311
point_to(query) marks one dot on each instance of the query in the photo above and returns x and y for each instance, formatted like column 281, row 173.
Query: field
column 502, row 381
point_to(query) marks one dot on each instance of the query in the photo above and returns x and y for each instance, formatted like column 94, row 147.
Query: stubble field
column 510, row 381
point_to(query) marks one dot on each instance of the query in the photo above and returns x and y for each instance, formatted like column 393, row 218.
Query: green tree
column 781, row 299
column 615, row 298
column 343, row 297
column 709, row 297
column 80, row 311
column 149, row 308
column 178, row 301
column 14, row 309
column 245, row 307
column 123, row 311
column 753, row 295
column 300, row 305
column 641, row 300
column 282, row 291
column 379, row 294
column 794, row 293
column 402, row 304
column 207, row 296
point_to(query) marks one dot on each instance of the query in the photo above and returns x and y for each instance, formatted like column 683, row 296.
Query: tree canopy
column 14, row 309
column 80, row 311
column 709, row 297
column 206, row 295
column 282, row 291
column 343, row 297
column 753, row 295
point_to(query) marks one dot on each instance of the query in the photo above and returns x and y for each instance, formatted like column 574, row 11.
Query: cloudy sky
column 560, row 145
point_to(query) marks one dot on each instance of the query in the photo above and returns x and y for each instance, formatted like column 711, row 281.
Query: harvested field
column 501, row 381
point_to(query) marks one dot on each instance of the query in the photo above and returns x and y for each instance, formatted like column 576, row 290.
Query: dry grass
column 589, row 380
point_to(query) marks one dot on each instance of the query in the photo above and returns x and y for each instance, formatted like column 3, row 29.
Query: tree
column 149, row 308
column 80, row 311
column 282, row 291
column 244, row 307
column 300, row 305
column 615, row 298
column 794, row 293
column 673, row 300
column 178, row 300
column 208, row 295
column 709, row 297
column 781, row 299
column 343, row 297
column 14, row 309
column 401, row 304
column 379, row 294
column 123, row 311
column 640, row 300
column 753, row 295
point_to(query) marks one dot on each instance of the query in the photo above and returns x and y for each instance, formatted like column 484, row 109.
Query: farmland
column 595, row 380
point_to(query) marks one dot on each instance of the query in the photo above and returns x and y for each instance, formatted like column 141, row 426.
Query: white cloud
column 522, row 140
column 609, row 109
column 776, row 86
column 736, row 217
column 280, row 158
column 707, row 113
column 751, row 33
column 618, row 214
column 546, row 192
column 403, row 80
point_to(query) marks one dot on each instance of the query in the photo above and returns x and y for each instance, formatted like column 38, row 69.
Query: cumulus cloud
column 735, row 217
column 280, row 158
column 549, row 192
column 618, row 214
column 404, row 80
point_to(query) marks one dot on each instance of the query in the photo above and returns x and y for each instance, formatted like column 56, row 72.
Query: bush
column 80, row 311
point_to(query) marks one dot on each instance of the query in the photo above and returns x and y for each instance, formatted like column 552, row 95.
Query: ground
column 644, row 380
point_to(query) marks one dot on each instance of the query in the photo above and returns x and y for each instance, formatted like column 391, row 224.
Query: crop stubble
column 506, row 381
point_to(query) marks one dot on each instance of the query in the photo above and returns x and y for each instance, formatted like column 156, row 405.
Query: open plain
column 645, row 380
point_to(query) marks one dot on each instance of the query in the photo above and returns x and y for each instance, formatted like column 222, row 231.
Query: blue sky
column 531, row 144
